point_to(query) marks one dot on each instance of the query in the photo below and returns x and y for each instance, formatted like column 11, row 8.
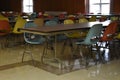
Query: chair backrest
column 19, row 24
column 93, row 18
column 33, row 15
column 72, row 17
column 18, row 17
column 30, row 37
column 110, row 30
column 3, row 17
column 39, row 21
column 114, row 18
column 72, row 34
column 61, row 16
column 68, row 21
column 51, row 23
column 95, row 31
column 55, row 19
column 83, row 20
column 103, row 18
column 4, row 27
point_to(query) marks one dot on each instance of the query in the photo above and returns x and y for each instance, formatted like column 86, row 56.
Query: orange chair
column 4, row 31
column 108, row 36
column 109, row 32
column 4, row 27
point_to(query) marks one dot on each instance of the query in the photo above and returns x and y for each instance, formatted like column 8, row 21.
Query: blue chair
column 33, row 15
column 49, row 40
column 51, row 23
column 31, row 39
column 55, row 19
column 85, row 47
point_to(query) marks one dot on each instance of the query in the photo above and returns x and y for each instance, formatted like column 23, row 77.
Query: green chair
column 91, row 40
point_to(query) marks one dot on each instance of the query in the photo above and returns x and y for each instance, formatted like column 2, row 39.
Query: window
column 99, row 6
column 28, row 6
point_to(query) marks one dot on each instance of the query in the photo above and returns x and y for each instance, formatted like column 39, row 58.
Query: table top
column 61, row 28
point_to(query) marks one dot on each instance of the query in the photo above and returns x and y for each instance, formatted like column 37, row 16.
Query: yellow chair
column 3, row 17
column 82, row 20
column 18, row 17
column 92, row 18
column 19, row 24
column 70, row 37
column 39, row 21
column 18, row 37
column 73, row 34
column 117, row 36
column 45, row 15
column 79, row 34
column 114, row 18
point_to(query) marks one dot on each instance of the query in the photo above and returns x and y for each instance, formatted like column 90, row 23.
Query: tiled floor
column 11, row 68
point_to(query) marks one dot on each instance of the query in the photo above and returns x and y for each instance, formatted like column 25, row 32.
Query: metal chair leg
column 27, row 52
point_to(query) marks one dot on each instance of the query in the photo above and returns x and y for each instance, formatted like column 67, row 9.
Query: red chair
column 108, row 37
column 61, row 17
column 40, row 15
column 109, row 32
column 4, row 27
column 4, row 31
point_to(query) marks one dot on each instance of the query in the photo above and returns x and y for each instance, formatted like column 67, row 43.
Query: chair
column 4, row 27
column 51, row 23
column 33, row 15
column 3, row 17
column 61, row 17
column 31, row 39
column 71, row 36
column 103, row 18
column 85, row 47
column 4, row 32
column 17, row 34
column 72, row 17
column 39, row 21
column 92, row 18
column 108, row 36
column 82, row 20
column 116, row 46
column 114, row 18
column 40, row 15
column 55, row 19
column 83, row 33
column 49, row 40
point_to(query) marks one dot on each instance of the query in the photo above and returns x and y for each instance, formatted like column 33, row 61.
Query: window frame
column 87, row 5
column 29, row 5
